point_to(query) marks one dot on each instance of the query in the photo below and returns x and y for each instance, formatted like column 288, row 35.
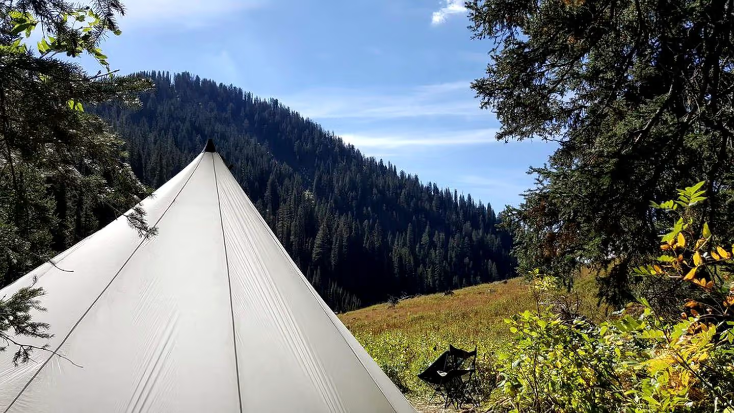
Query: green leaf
column 43, row 46
column 74, row 105
column 23, row 27
column 696, row 187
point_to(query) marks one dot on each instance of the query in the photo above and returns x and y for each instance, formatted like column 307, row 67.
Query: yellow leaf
column 691, row 274
column 715, row 255
column 658, row 270
column 691, row 304
column 665, row 247
column 725, row 255
column 681, row 240
column 697, row 260
column 729, row 301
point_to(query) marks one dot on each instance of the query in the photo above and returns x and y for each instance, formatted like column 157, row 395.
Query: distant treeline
column 357, row 228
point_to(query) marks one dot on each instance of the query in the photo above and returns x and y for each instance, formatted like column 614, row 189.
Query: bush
column 558, row 366
column 642, row 360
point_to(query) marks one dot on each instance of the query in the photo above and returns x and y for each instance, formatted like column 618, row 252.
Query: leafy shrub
column 393, row 372
column 640, row 361
column 554, row 365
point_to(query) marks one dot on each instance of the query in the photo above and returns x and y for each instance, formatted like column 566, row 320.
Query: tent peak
column 210, row 146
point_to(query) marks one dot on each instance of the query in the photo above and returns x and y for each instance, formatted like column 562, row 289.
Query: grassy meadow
column 407, row 337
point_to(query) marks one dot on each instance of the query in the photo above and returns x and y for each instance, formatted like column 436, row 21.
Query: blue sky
column 389, row 76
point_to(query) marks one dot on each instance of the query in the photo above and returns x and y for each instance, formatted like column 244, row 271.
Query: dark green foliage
column 358, row 229
column 15, row 316
column 62, row 172
column 639, row 95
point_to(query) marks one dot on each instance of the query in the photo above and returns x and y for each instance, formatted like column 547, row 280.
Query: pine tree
column 62, row 174
column 639, row 96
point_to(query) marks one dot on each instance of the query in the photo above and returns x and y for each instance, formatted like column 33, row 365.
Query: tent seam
column 229, row 283
column 324, row 310
column 55, row 352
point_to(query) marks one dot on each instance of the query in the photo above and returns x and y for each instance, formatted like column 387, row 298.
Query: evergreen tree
column 62, row 173
column 639, row 96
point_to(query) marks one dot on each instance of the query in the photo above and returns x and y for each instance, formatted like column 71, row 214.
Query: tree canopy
column 62, row 171
column 638, row 93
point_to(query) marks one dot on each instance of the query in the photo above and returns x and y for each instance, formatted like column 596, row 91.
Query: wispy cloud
column 503, row 187
column 450, row 7
column 443, row 99
column 400, row 140
column 225, row 65
column 501, row 180
column 182, row 13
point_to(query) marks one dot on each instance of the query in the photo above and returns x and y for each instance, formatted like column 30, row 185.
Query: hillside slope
column 358, row 229
column 405, row 338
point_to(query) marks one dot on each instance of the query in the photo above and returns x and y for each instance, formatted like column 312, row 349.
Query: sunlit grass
column 407, row 337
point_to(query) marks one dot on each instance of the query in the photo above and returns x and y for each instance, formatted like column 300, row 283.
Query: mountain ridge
column 359, row 229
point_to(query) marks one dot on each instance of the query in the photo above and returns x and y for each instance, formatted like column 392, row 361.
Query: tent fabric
column 211, row 315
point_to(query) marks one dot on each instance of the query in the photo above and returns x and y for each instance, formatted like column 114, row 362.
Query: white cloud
column 503, row 187
column 449, row 7
column 226, row 66
column 500, row 181
column 398, row 140
column 186, row 13
column 443, row 99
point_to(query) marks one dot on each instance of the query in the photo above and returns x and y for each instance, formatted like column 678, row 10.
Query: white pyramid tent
column 210, row 315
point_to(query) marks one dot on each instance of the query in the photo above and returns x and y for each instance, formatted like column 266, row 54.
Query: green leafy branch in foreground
column 638, row 361
column 62, row 171
column 15, row 316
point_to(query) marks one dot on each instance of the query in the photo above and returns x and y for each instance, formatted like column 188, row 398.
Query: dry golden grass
column 405, row 338
column 475, row 312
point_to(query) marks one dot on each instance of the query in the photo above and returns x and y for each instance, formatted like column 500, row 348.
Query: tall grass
column 405, row 338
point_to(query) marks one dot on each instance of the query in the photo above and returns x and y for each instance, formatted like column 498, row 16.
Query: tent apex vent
column 210, row 146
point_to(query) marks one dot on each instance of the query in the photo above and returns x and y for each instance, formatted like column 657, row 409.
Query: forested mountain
column 359, row 229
